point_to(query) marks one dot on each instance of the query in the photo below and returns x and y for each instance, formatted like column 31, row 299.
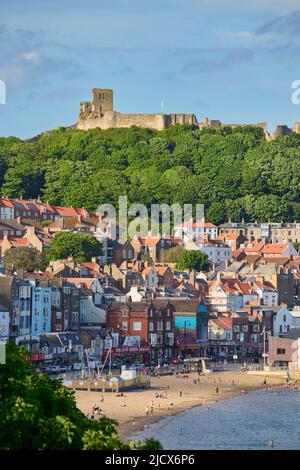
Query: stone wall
column 99, row 113
column 114, row 119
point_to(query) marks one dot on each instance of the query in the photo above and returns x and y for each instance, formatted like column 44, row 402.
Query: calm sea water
column 249, row 421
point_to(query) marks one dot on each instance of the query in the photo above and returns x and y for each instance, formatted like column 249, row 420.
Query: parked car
column 52, row 370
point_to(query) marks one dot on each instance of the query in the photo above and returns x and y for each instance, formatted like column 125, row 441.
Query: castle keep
column 99, row 113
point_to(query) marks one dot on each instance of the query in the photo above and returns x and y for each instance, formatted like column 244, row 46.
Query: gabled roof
column 223, row 322
column 280, row 261
column 254, row 248
column 18, row 241
column 275, row 248
column 150, row 241
column 197, row 224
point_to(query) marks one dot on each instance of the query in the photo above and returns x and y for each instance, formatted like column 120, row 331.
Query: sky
column 223, row 59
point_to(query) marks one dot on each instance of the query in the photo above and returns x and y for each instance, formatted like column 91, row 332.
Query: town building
column 285, row 320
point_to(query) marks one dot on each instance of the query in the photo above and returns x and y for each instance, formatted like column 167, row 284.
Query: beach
column 169, row 395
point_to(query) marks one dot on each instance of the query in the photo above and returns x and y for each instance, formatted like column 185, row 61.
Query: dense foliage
column 193, row 260
column 24, row 258
column 39, row 413
column 236, row 173
column 80, row 246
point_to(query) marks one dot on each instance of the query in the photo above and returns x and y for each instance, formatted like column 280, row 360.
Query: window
column 124, row 325
column 245, row 328
column 280, row 351
column 137, row 326
column 159, row 326
column 236, row 328
column 124, row 313
column 151, row 326
column 255, row 328
column 153, row 339
column 284, row 318
column 74, row 317
column 168, row 326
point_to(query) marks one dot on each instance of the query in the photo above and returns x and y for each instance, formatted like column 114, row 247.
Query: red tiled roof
column 18, row 241
column 150, row 241
column 6, row 203
column 254, row 248
column 275, row 248
column 199, row 224
column 223, row 322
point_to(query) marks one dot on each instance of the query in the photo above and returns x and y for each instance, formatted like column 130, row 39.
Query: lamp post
column 264, row 343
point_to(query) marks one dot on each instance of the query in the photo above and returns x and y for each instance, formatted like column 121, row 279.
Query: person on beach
column 146, row 411
column 133, row 422
column 123, row 403
column 217, row 390
column 180, row 393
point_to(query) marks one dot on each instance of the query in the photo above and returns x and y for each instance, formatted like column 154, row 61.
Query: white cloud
column 33, row 57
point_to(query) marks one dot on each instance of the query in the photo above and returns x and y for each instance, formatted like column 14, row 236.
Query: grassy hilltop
column 236, row 173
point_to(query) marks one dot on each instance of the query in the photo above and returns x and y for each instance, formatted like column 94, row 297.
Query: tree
column 193, row 260
column 172, row 254
column 226, row 169
column 27, row 258
column 39, row 413
column 80, row 246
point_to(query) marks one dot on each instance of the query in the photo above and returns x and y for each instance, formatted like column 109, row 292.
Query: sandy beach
column 142, row 407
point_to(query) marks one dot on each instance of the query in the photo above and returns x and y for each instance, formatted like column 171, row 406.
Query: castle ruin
column 99, row 113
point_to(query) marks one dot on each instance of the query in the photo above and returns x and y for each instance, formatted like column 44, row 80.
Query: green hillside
column 235, row 173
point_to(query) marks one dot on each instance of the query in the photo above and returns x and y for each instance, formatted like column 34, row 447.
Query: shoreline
column 182, row 394
column 126, row 430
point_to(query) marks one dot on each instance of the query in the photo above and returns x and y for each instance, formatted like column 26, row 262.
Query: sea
column 258, row 420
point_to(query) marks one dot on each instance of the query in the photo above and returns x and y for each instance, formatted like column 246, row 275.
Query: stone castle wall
column 114, row 119
column 99, row 113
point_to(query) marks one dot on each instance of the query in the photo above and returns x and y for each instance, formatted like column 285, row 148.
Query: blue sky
column 225, row 59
